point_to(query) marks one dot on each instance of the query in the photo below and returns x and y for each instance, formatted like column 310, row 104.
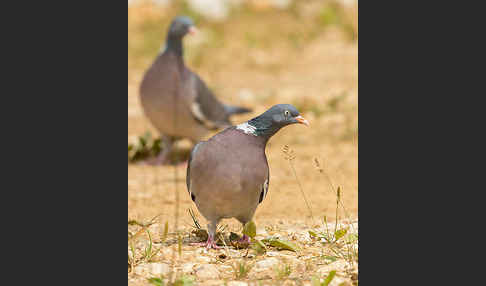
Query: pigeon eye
column 287, row 113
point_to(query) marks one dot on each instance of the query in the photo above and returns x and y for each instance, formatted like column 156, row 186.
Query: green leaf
column 147, row 136
column 156, row 281
column 340, row 233
column 250, row 229
column 313, row 234
column 166, row 231
column 194, row 219
column 332, row 258
column 148, row 250
column 316, row 281
column 156, row 146
column 282, row 244
column 179, row 245
column 134, row 222
column 352, row 237
column 326, row 237
column 142, row 141
column 259, row 246
column 329, row 278
column 185, row 280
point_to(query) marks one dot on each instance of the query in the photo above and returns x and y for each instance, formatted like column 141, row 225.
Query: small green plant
column 144, row 148
column 341, row 238
column 280, row 244
column 250, row 230
column 157, row 281
column 184, row 280
column 316, row 281
column 241, row 269
column 290, row 156
column 283, row 271
column 149, row 251
column 336, row 241
column 259, row 247
column 165, row 233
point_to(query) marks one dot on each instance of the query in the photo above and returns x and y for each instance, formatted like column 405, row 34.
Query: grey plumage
column 228, row 175
column 176, row 100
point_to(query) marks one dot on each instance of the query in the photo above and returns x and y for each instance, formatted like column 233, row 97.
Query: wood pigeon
column 228, row 175
column 176, row 100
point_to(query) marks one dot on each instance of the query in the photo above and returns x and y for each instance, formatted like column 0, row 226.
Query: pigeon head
column 181, row 26
column 270, row 122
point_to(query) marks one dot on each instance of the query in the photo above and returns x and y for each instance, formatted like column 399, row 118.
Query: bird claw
column 159, row 160
column 206, row 244
column 210, row 243
column 243, row 242
column 244, row 239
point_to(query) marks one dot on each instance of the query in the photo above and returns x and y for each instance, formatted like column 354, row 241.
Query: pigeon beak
column 193, row 30
column 302, row 120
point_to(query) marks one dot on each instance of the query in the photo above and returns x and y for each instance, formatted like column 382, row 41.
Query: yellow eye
column 287, row 113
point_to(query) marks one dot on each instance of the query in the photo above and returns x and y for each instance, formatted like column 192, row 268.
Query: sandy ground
column 312, row 260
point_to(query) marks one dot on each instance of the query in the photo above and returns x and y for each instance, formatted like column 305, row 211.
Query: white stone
column 159, row 268
column 272, row 253
column 203, row 259
column 237, row 283
column 140, row 270
column 213, row 282
column 336, row 281
column 261, row 232
column 339, row 265
column 266, row 264
column 207, row 271
column 188, row 267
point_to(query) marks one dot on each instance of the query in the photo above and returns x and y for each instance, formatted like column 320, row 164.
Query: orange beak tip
column 193, row 30
column 302, row 120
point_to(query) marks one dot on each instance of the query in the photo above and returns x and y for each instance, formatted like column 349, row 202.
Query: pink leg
column 245, row 239
column 210, row 243
column 161, row 159
column 164, row 156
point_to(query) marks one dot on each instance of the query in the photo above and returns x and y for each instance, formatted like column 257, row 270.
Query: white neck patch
column 247, row 128
column 163, row 48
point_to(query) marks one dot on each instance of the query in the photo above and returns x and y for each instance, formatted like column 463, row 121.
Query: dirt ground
column 257, row 60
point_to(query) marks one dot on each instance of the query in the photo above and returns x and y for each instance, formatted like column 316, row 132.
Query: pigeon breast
column 227, row 175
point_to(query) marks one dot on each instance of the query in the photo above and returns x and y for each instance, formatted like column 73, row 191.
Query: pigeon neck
column 259, row 127
column 174, row 44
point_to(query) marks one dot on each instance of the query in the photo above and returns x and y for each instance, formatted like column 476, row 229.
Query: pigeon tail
column 236, row 109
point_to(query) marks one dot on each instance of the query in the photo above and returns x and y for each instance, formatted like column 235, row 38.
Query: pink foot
column 245, row 239
column 208, row 244
column 159, row 160
column 183, row 164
